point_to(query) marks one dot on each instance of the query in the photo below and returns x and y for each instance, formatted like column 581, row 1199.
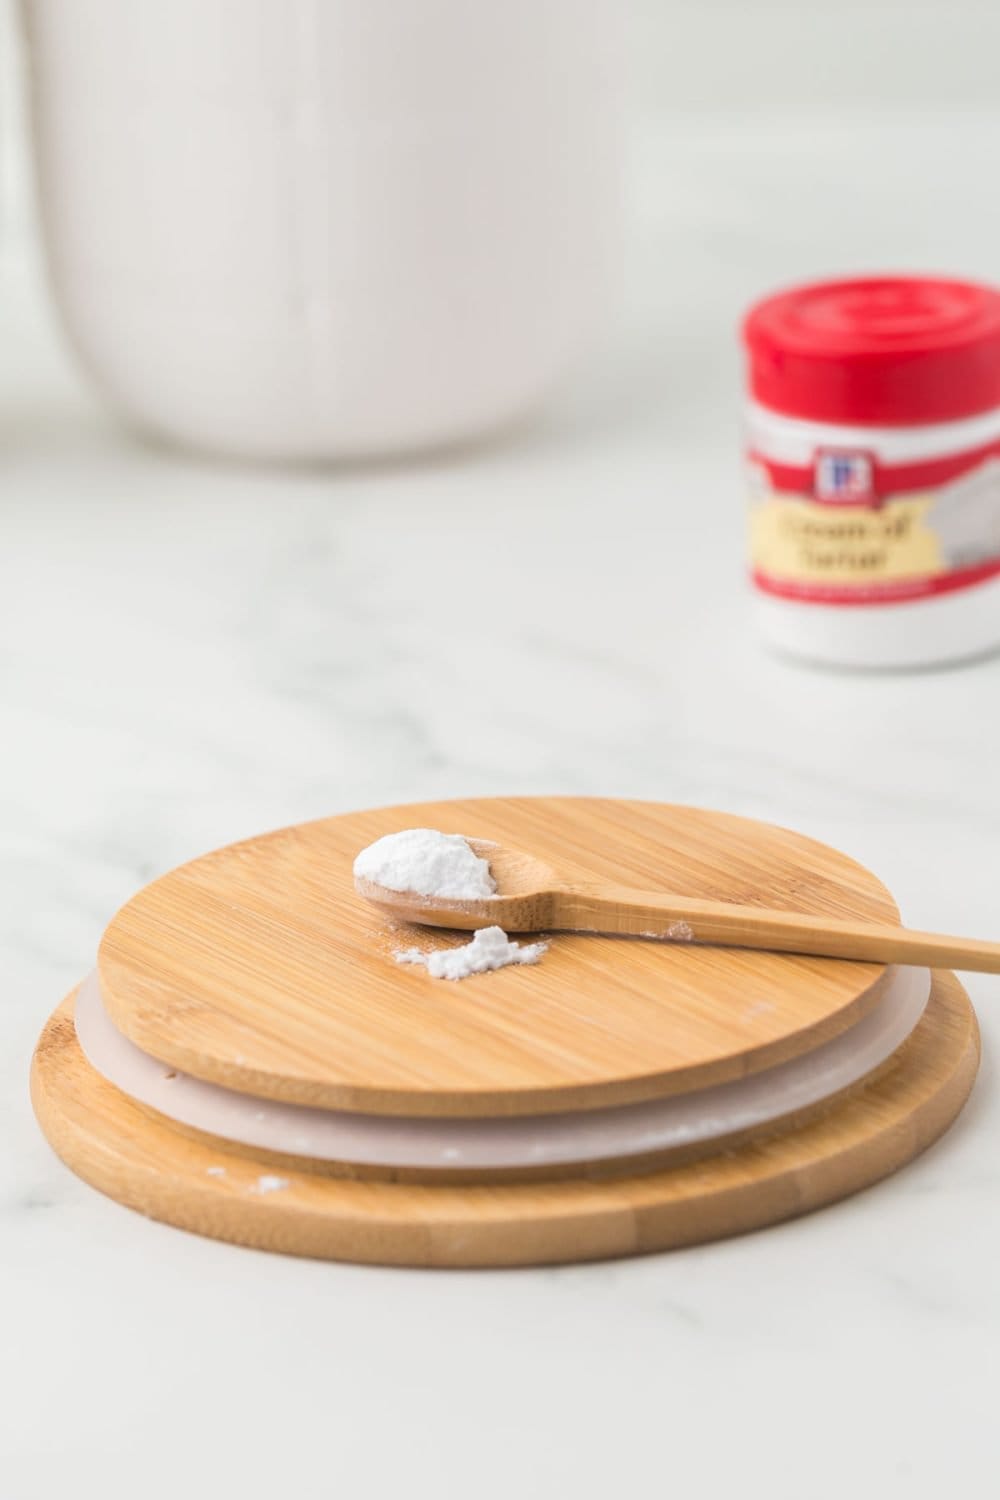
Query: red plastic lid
column 885, row 350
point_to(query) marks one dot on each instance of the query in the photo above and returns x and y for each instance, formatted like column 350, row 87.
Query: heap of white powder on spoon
column 427, row 863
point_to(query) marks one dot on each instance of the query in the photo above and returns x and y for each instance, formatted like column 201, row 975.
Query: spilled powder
column 424, row 862
column 490, row 948
column 268, row 1184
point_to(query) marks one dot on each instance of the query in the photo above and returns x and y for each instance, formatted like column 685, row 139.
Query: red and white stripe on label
column 936, row 490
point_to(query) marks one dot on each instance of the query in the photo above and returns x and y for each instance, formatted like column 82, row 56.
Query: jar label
column 847, row 531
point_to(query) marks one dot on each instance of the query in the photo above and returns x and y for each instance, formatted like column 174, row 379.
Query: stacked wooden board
column 250, row 1062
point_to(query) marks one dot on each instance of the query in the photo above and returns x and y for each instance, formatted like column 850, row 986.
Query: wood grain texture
column 144, row 1164
column 258, row 967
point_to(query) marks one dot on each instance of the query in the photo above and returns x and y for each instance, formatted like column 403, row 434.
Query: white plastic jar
column 874, row 461
column 311, row 229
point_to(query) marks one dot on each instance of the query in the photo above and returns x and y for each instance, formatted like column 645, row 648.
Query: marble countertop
column 191, row 653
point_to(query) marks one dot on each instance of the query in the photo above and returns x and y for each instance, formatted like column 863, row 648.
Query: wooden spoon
column 532, row 898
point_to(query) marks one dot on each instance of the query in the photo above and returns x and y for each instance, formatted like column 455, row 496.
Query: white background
column 190, row 653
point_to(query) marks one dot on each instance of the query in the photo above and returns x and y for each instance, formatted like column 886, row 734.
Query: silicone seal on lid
column 881, row 350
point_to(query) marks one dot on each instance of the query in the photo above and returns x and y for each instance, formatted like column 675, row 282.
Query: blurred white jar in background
column 320, row 228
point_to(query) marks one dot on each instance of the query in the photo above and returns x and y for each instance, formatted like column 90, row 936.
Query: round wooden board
column 258, row 967
column 200, row 1186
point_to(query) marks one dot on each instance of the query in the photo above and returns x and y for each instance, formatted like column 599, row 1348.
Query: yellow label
column 800, row 540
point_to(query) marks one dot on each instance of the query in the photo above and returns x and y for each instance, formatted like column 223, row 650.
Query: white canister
column 311, row 229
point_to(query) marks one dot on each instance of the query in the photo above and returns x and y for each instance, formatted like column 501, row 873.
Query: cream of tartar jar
column 873, row 451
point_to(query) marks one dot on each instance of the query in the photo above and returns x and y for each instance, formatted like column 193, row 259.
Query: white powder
column 424, row 862
column 490, row 948
column 268, row 1184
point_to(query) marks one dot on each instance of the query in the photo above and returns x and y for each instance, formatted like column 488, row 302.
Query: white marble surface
column 191, row 653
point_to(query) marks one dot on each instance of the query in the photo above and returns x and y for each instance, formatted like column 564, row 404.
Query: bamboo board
column 198, row 1185
column 259, row 968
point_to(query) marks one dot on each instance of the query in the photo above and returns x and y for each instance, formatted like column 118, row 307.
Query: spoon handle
column 648, row 914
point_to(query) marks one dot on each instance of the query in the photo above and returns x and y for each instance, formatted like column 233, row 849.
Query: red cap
column 886, row 350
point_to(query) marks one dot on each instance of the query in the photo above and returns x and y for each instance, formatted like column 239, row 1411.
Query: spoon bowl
column 525, row 901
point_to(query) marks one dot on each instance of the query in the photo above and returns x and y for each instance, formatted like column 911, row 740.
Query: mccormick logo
column 844, row 478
